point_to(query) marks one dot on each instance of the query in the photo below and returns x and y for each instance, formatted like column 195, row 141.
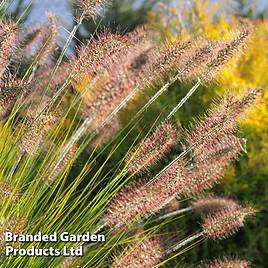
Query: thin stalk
column 152, row 100
column 96, row 231
column 77, row 135
column 14, row 167
column 185, row 242
column 116, row 110
column 66, row 45
column 87, row 122
column 183, row 100
column 173, row 213
column 67, row 82
column 25, row 10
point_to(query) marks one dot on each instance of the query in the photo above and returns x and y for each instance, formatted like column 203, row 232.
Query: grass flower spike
column 36, row 131
column 229, row 50
column 106, row 135
column 226, row 263
column 92, row 8
column 213, row 133
column 152, row 149
column 7, row 192
column 226, row 222
column 146, row 254
column 11, row 89
column 8, row 41
column 213, row 204
column 15, row 225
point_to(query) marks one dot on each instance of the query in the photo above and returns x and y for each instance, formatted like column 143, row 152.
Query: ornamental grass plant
column 68, row 163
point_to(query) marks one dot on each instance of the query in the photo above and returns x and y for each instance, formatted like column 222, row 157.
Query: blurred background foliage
column 246, row 180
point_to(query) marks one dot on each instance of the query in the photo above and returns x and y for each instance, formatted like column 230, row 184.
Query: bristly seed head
column 11, row 89
column 168, row 57
column 145, row 254
column 50, row 44
column 128, row 205
column 181, row 178
column 38, row 42
column 37, row 129
column 8, row 192
column 192, row 65
column 92, row 8
column 214, row 131
column 69, row 263
column 118, row 85
column 226, row 263
column 152, row 149
column 13, row 224
column 29, row 40
column 202, row 175
column 97, row 54
column 213, row 204
column 226, row 222
column 228, row 51
column 8, row 42
column 141, row 199
column 43, row 77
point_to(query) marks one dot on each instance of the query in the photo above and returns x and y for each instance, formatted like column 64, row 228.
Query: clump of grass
column 55, row 112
